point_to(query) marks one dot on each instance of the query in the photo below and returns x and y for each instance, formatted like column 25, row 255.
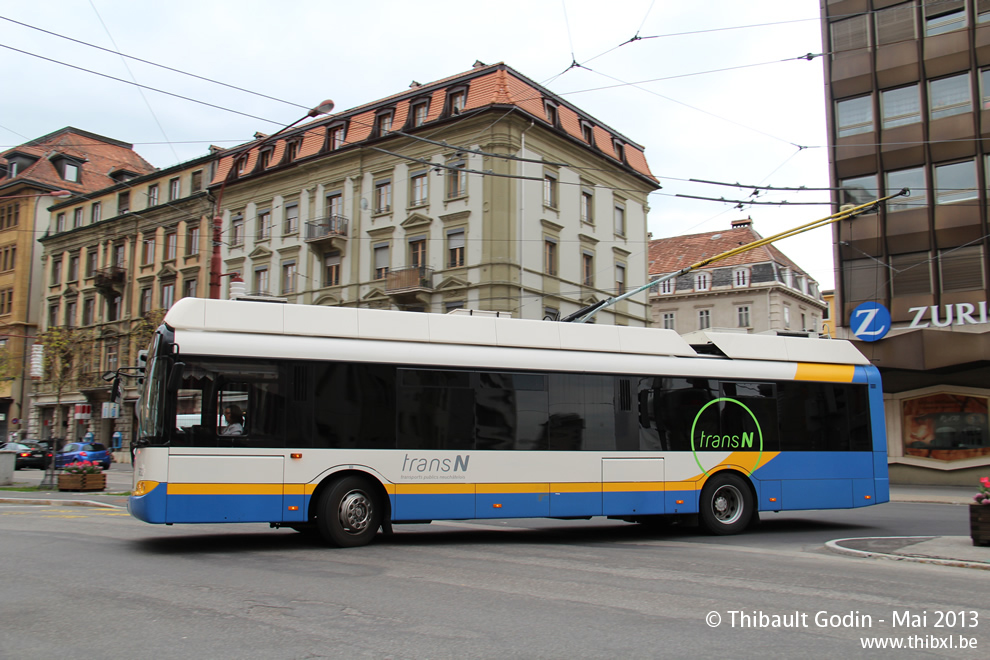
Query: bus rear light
column 773, row 499
column 869, row 497
column 143, row 488
column 295, row 454
column 679, row 502
column 497, row 506
column 293, row 508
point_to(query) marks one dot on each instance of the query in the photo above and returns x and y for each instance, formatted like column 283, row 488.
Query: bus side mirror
column 175, row 376
column 142, row 364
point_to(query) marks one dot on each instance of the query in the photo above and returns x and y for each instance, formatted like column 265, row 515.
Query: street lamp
column 53, row 193
column 216, row 262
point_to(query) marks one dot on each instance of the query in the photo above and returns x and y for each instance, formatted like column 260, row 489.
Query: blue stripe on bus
column 224, row 508
column 149, row 507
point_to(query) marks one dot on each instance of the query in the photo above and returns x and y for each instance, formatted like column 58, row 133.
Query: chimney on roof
column 739, row 224
column 415, row 84
column 478, row 64
column 259, row 135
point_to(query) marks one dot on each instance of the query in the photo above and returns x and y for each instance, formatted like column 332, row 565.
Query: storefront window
column 946, row 427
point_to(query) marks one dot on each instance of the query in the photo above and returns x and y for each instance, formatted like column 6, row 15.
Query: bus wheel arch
column 349, row 507
column 727, row 503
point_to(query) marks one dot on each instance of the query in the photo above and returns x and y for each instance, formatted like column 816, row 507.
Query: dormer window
column 620, row 149
column 336, row 136
column 740, row 277
column 291, row 150
column 383, row 123
column 420, row 110
column 668, row 286
column 241, row 165
column 70, row 171
column 12, row 169
column 266, row 158
column 588, row 132
column 702, row 282
column 456, row 101
column 17, row 163
column 550, row 108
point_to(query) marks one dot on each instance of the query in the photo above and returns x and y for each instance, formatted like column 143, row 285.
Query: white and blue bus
column 352, row 420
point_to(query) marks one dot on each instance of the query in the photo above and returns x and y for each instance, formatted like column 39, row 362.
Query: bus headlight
column 143, row 488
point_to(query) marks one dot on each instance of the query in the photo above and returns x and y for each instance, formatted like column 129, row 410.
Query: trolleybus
column 352, row 420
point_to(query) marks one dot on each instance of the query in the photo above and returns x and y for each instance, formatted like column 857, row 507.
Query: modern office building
column 908, row 91
column 483, row 191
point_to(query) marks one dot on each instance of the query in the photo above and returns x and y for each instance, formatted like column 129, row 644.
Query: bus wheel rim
column 355, row 512
column 727, row 504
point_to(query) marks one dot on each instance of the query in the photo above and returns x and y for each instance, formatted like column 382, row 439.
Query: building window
column 71, row 171
column 77, row 218
column 113, row 308
column 417, row 252
column 911, row 274
column 291, row 150
column 236, row 230
column 56, row 272
column 787, row 317
column 96, row 213
column 144, row 305
column 420, row 111
column 668, row 320
column 335, row 205
column 961, row 269
column 551, row 314
column 118, row 255
column 173, row 189
column 550, row 256
column 289, row 277
column 419, row 188
column 620, row 219
column 192, row 240
column 949, row 96
column 123, row 203
column 740, row 277
column 168, row 295
column 91, row 256
column 668, row 286
column 59, row 223
column 383, row 196
column 900, row 107
column 895, row 24
column 587, row 205
column 742, row 316
column 620, row 150
column 551, row 111
column 291, row 225
column 336, row 137
column 955, row 182
column 73, row 268
column 264, row 228
column 855, row 116
column 850, row 34
column 620, row 279
column 265, row 158
column 702, row 282
column 148, row 251
column 171, row 241
column 588, row 268
column 261, row 280
column 197, row 181
column 455, row 248
column 383, row 123
column 189, row 288
column 381, row 261
column 455, row 101
column 112, row 356
column 804, row 323
column 704, row 319
column 939, row 22
column 588, row 132
column 89, row 311
column 331, row 269
column 53, row 315
column 153, row 195
column 858, row 191
column 456, row 178
column 550, row 190
column 914, row 180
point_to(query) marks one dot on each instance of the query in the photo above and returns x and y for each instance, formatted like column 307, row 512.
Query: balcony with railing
column 110, row 280
column 410, row 280
column 327, row 233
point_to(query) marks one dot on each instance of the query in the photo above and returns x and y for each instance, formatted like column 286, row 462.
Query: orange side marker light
column 295, row 455
column 680, row 502
column 497, row 506
column 773, row 499
column 293, row 508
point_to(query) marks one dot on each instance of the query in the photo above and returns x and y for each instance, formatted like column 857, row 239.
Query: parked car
column 73, row 452
column 29, row 454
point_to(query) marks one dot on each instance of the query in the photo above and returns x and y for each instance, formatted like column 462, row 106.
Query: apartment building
column 68, row 162
column 141, row 244
column 908, row 90
column 757, row 291
column 482, row 191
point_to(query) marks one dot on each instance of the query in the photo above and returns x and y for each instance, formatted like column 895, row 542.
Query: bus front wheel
column 350, row 513
column 726, row 505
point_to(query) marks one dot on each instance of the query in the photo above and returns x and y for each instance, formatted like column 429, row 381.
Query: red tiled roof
column 495, row 85
column 668, row 255
column 99, row 156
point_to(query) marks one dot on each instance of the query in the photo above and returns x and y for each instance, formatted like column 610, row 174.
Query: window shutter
column 939, row 7
column 912, row 273
column 897, row 23
column 962, row 269
column 850, row 34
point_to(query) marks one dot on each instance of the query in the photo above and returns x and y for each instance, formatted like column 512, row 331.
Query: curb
column 25, row 500
column 959, row 563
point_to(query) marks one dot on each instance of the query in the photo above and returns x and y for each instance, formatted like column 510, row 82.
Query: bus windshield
column 151, row 408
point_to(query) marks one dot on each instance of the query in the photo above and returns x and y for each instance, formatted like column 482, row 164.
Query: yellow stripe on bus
column 434, row 489
column 224, row 489
column 836, row 373
column 632, row 486
column 489, row 489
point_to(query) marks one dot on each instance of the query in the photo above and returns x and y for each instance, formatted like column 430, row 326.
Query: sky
column 714, row 90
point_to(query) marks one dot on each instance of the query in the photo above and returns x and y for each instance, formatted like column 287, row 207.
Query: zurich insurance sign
column 870, row 321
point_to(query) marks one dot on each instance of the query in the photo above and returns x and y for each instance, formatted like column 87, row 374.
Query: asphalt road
column 87, row 583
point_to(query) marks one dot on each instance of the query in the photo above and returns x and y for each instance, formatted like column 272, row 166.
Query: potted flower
column 979, row 514
column 82, row 475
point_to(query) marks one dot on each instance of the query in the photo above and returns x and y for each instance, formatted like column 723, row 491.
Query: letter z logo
column 870, row 321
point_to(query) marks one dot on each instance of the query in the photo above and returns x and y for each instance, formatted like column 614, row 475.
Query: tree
column 62, row 363
column 144, row 328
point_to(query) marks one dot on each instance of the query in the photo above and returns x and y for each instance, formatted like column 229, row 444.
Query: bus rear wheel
column 350, row 512
column 726, row 505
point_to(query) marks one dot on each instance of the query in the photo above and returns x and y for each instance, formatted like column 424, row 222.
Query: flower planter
column 979, row 523
column 82, row 481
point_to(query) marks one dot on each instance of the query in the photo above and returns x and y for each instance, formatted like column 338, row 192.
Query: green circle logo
column 739, row 441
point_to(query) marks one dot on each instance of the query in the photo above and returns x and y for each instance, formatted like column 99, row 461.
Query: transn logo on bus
column 457, row 464
column 742, row 441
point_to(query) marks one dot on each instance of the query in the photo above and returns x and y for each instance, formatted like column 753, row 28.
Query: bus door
column 632, row 486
